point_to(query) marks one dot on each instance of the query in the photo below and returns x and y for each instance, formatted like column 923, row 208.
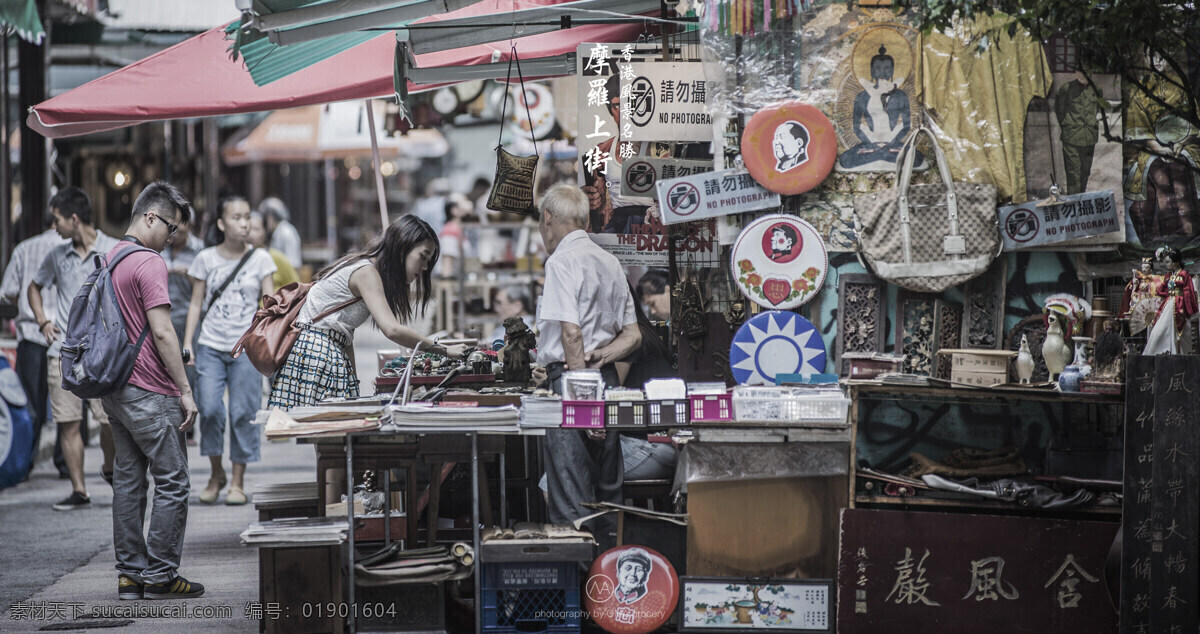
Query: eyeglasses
column 171, row 229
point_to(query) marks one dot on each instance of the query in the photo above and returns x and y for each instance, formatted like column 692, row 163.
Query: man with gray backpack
column 120, row 346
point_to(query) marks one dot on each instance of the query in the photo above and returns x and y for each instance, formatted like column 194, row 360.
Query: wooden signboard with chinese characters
column 1162, row 507
column 935, row 572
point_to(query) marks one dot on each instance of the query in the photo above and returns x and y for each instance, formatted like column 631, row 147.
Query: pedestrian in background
column 151, row 410
column 285, row 273
column 228, row 281
column 67, row 267
column 179, row 253
column 26, row 258
column 284, row 236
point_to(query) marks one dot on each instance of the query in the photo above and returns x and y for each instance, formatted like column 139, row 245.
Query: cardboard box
column 979, row 367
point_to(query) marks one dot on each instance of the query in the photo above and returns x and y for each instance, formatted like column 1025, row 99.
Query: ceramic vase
column 1068, row 381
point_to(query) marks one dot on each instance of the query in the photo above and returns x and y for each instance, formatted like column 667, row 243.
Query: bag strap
column 112, row 265
column 228, row 281
column 504, row 104
column 904, row 167
column 346, row 304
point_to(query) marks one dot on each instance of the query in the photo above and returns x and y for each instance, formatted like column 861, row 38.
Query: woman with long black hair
column 375, row 282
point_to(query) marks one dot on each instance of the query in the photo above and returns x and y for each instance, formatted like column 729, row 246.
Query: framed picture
column 728, row 604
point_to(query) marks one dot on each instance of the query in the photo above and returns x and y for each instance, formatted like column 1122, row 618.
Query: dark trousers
column 31, row 369
column 582, row 469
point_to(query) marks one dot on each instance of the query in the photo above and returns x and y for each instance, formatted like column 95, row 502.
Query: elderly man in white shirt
column 284, row 236
column 585, row 319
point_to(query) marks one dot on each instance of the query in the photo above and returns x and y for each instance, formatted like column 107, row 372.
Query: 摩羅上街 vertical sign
column 1077, row 216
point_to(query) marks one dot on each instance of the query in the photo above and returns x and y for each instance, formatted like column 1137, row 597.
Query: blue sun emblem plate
column 773, row 343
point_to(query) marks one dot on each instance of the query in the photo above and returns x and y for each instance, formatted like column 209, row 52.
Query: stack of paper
column 494, row 419
column 314, row 531
column 541, row 411
column 285, row 425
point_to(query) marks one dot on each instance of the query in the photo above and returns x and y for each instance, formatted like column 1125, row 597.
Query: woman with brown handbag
column 320, row 364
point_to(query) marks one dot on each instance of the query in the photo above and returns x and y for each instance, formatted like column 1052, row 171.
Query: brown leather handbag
column 273, row 331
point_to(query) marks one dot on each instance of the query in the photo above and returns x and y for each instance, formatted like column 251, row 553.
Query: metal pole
column 350, row 536
column 6, row 225
column 383, row 212
column 475, row 529
column 330, row 209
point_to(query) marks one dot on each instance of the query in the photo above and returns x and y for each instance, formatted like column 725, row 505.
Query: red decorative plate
column 631, row 590
column 789, row 148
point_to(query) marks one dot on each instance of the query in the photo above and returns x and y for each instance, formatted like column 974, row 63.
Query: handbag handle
column 504, row 104
column 908, row 156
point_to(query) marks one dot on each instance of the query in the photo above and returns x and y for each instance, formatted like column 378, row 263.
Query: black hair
column 215, row 235
column 390, row 252
column 73, row 202
column 163, row 196
column 653, row 282
column 798, row 132
column 521, row 294
column 652, row 344
column 789, row 232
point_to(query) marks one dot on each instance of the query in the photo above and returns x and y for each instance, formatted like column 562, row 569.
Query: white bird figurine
column 1055, row 350
column 1025, row 364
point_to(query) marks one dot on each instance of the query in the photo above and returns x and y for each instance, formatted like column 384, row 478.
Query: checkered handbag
column 927, row 238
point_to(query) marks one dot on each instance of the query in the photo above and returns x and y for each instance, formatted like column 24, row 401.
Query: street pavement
column 57, row 569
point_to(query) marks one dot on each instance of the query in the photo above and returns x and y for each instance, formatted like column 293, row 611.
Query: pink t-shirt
column 140, row 282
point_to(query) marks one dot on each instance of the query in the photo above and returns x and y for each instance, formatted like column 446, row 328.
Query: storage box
column 295, row 578
column 583, row 414
column 531, row 597
column 669, row 413
column 711, row 408
column 784, row 406
column 626, row 414
column 869, row 365
column 982, row 368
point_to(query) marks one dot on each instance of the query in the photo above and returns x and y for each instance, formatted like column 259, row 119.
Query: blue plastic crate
column 531, row 597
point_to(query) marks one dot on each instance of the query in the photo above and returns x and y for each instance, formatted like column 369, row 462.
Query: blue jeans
column 145, row 429
column 217, row 371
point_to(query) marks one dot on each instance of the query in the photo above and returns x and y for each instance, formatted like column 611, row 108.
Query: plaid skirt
column 317, row 368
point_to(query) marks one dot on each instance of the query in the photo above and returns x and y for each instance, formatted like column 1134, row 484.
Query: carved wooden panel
column 915, row 318
column 861, row 325
column 1033, row 327
column 947, row 329
column 983, row 307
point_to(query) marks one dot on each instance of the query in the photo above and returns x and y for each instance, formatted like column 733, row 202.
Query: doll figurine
column 1177, row 309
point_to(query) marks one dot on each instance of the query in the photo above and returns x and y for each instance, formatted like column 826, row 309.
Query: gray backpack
column 97, row 356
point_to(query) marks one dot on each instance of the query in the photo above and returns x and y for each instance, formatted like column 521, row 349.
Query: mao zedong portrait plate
column 779, row 261
column 789, row 148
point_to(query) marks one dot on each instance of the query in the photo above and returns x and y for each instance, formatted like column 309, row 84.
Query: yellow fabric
column 285, row 273
column 979, row 99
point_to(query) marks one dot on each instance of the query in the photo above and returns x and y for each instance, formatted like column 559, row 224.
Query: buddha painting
column 880, row 113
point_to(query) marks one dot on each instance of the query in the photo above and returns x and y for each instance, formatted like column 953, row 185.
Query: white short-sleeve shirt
column 228, row 319
column 585, row 286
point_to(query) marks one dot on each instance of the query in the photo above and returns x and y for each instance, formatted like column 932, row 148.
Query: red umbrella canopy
column 197, row 78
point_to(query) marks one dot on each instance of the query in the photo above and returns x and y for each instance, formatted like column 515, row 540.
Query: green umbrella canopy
column 21, row 17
